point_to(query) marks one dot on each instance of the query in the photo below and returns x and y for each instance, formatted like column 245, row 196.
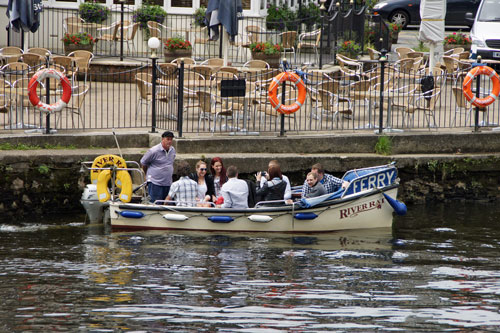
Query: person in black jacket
column 206, row 189
column 274, row 188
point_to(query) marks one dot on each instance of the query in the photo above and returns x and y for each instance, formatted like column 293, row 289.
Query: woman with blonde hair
column 206, row 191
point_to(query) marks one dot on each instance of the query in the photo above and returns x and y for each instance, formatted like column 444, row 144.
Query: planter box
column 174, row 54
column 448, row 47
column 68, row 48
column 272, row 59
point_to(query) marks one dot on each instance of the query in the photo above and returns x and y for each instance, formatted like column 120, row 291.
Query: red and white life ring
column 467, row 86
column 273, row 92
column 39, row 77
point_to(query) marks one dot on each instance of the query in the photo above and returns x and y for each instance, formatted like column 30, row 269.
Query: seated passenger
column 184, row 190
column 234, row 191
column 218, row 173
column 331, row 183
column 206, row 191
column 288, row 190
column 273, row 189
column 315, row 188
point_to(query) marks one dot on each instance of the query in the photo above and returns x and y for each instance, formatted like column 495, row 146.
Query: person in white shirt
column 264, row 179
column 234, row 191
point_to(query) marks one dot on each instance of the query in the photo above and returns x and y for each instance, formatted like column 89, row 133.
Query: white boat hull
column 369, row 209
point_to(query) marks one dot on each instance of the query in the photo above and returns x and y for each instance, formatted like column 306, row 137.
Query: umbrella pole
column 432, row 61
column 225, row 46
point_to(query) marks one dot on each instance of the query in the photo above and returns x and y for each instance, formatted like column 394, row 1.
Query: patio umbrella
column 223, row 12
column 24, row 15
column 432, row 14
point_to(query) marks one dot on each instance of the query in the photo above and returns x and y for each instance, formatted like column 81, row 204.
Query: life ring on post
column 39, row 77
column 467, row 86
column 273, row 92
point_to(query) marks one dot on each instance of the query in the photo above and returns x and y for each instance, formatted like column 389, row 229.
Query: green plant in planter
column 80, row 38
column 395, row 28
column 199, row 17
column 309, row 15
column 148, row 12
column 349, row 48
column 280, row 17
column 265, row 48
column 93, row 12
column 177, row 43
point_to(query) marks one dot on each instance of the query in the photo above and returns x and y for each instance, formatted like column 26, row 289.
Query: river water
column 436, row 269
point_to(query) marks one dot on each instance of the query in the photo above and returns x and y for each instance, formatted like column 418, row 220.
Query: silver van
column 485, row 32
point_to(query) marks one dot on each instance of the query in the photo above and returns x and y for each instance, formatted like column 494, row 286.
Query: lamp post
column 322, row 8
column 153, row 44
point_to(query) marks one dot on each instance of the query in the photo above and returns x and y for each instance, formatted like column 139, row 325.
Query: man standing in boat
column 331, row 183
column 158, row 165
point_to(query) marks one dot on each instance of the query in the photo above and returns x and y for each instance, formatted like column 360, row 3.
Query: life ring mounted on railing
column 39, row 77
column 467, row 86
column 273, row 92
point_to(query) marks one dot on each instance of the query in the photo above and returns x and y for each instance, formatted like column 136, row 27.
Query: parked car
column 408, row 11
column 485, row 32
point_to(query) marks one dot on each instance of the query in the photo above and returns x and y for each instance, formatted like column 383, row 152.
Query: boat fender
column 260, row 218
column 131, row 214
column 305, row 216
column 398, row 206
column 175, row 217
column 221, row 219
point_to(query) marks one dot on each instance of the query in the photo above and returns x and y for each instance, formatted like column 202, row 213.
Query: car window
column 490, row 11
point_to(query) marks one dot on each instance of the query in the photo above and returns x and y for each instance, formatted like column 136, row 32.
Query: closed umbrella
column 24, row 15
column 432, row 14
column 223, row 12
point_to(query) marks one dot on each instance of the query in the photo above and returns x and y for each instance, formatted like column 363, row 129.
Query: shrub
column 349, row 48
column 279, row 18
column 309, row 15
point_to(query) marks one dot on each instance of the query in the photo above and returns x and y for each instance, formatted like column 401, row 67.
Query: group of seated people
column 222, row 188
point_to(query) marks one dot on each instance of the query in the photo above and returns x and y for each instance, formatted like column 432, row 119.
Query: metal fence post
column 47, row 96
column 122, row 5
column 478, row 87
column 383, row 59
column 180, row 99
column 153, row 97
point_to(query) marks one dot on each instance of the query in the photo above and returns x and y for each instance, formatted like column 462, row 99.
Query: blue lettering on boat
column 376, row 180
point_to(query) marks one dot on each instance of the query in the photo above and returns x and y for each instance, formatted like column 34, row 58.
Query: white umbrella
column 432, row 14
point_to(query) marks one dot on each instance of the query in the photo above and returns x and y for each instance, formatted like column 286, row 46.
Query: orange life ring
column 273, row 92
column 467, row 86
column 39, row 77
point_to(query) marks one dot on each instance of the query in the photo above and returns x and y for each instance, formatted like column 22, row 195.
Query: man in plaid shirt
column 184, row 190
column 331, row 183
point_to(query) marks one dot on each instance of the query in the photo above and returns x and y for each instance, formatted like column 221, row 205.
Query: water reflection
column 437, row 269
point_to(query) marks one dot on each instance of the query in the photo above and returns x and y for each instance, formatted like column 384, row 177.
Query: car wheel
column 400, row 17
